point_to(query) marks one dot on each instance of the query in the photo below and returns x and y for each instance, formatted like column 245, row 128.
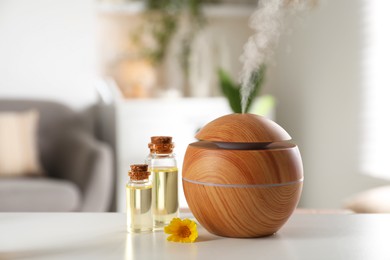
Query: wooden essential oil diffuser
column 243, row 178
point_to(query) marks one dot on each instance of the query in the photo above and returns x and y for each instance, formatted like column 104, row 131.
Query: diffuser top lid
column 243, row 128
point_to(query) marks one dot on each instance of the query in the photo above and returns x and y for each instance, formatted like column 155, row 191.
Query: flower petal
column 193, row 236
column 186, row 240
column 173, row 227
column 170, row 230
column 187, row 222
column 170, row 238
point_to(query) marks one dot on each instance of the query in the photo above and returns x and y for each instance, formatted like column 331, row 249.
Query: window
column 376, row 92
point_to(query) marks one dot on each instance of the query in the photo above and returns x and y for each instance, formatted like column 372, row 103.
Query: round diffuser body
column 243, row 178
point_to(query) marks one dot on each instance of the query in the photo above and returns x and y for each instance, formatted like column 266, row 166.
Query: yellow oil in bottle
column 165, row 195
column 139, row 208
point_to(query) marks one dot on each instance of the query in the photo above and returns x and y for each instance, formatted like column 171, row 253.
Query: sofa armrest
column 88, row 163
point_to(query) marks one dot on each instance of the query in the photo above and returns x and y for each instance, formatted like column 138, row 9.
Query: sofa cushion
column 55, row 120
column 38, row 194
column 19, row 145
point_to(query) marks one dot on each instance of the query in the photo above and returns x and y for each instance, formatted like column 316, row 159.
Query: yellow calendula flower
column 183, row 231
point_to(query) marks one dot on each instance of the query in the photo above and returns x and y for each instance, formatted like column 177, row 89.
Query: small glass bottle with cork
column 139, row 200
column 163, row 167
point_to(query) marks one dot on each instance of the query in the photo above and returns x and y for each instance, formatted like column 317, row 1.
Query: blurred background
column 132, row 69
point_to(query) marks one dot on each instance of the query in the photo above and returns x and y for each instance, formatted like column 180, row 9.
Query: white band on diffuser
column 244, row 185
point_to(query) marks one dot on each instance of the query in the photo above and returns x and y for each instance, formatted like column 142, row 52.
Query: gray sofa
column 79, row 168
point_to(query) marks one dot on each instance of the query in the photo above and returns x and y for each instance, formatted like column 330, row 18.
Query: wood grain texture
column 207, row 163
column 242, row 192
column 243, row 128
column 242, row 212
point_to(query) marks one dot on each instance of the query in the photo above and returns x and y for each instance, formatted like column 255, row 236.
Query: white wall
column 317, row 81
column 47, row 50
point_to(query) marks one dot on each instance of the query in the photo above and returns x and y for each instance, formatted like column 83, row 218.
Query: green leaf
column 230, row 90
column 262, row 106
column 257, row 80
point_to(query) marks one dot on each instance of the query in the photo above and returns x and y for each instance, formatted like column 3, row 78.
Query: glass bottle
column 139, row 200
column 163, row 167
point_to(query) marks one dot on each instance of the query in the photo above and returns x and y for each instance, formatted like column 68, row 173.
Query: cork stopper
column 139, row 172
column 161, row 144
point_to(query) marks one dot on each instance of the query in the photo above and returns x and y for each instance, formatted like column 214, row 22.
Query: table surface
column 104, row 236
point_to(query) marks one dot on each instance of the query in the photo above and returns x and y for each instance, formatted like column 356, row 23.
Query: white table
column 103, row 236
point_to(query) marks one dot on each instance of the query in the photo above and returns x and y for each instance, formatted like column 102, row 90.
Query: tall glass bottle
column 139, row 200
column 163, row 166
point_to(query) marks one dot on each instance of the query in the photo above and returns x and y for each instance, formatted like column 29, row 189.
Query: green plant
column 232, row 90
column 162, row 22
